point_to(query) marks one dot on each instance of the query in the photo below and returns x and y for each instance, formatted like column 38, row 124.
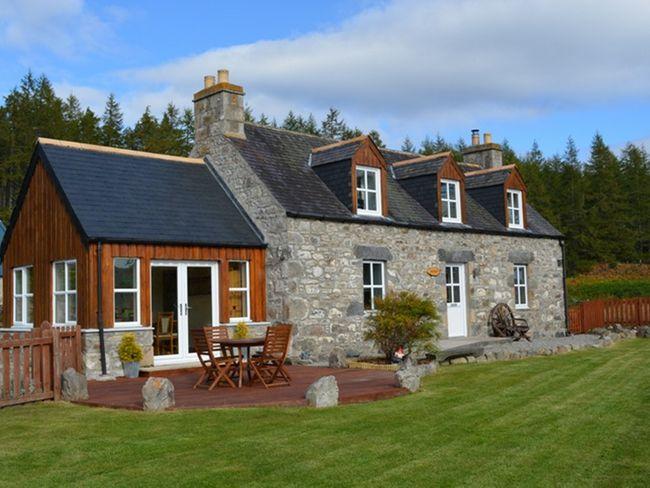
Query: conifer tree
column 376, row 138
column 144, row 133
column 407, row 145
column 333, row 127
column 427, row 147
column 636, row 185
column 112, row 131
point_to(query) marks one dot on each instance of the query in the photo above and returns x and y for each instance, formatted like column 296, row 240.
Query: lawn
column 578, row 419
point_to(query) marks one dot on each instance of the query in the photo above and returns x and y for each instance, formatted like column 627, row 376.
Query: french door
column 456, row 300
column 184, row 296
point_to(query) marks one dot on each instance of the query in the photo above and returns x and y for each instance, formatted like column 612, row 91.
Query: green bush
column 129, row 350
column 596, row 289
column 403, row 320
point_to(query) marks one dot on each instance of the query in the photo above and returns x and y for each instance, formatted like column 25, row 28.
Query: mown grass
column 579, row 419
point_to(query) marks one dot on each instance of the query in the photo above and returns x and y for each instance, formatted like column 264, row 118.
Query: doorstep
column 170, row 369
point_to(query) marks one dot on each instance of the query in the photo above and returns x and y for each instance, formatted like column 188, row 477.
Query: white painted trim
column 376, row 191
column 511, row 209
column 447, row 202
column 247, row 289
column 373, row 286
column 65, row 292
column 23, row 295
column 128, row 290
column 521, row 306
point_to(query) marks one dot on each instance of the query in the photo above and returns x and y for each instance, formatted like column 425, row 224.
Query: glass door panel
column 199, row 299
column 164, row 309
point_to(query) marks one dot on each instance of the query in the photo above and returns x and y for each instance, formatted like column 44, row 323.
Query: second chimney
column 486, row 155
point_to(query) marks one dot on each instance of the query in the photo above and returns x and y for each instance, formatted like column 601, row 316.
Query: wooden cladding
column 368, row 155
column 147, row 253
column 45, row 232
column 515, row 182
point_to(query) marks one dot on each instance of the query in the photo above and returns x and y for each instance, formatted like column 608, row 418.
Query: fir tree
column 333, row 127
column 291, row 122
column 376, row 138
column 407, row 145
column 112, row 132
column 636, row 185
column 427, row 147
column 264, row 120
column 144, row 133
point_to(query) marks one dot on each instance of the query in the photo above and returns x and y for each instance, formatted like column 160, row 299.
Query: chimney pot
column 208, row 81
column 476, row 138
column 222, row 75
column 487, row 138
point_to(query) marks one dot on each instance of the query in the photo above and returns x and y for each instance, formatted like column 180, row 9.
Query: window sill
column 522, row 307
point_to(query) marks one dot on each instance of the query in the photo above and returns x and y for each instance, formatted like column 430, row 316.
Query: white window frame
column 128, row 290
column 65, row 291
column 372, row 286
column 446, row 202
column 246, row 289
column 515, row 210
column 377, row 191
column 518, row 286
column 23, row 295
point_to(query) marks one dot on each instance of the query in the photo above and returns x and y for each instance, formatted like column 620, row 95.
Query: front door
column 184, row 296
column 456, row 300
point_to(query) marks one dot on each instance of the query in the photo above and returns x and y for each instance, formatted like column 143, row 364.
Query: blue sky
column 523, row 70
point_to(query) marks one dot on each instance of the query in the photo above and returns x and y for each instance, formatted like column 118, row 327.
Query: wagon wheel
column 502, row 321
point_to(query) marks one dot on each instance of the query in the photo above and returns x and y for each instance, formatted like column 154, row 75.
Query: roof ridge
column 421, row 159
column 490, row 170
column 296, row 132
column 115, row 150
column 339, row 143
column 398, row 151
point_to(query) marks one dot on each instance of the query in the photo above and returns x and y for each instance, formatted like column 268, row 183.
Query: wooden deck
column 355, row 386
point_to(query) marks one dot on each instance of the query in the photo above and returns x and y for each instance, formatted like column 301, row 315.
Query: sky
column 524, row 70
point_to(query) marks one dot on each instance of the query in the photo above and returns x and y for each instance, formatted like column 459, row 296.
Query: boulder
column 643, row 332
column 158, row 394
column 427, row 369
column 460, row 360
column 338, row 359
column 74, row 386
column 618, row 328
column 408, row 377
column 322, row 393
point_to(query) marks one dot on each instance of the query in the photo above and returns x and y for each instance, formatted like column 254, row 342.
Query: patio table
column 242, row 344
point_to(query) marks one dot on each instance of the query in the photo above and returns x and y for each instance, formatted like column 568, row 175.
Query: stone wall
column 324, row 278
column 112, row 338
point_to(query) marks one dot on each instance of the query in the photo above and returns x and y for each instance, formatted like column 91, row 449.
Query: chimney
column 486, row 155
column 218, row 110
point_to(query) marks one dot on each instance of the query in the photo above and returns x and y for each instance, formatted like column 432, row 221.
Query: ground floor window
column 239, row 290
column 373, row 283
column 65, row 292
column 24, row 296
column 521, row 286
column 126, row 286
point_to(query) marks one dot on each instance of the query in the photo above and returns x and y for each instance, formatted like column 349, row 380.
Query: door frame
column 462, row 282
column 181, row 266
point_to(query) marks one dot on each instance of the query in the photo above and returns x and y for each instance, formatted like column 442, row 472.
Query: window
column 450, row 199
column 126, row 276
column 368, row 191
column 373, row 283
column 521, row 286
column 24, row 296
column 515, row 217
column 239, row 290
column 65, row 292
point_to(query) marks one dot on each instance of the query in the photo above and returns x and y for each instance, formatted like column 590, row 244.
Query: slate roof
column 337, row 152
column 140, row 197
column 421, row 167
column 481, row 179
column 281, row 159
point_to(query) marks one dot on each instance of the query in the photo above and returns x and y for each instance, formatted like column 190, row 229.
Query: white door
column 184, row 296
column 456, row 300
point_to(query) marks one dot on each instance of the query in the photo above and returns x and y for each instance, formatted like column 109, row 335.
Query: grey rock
column 408, row 377
column 158, row 394
column 74, row 386
column 375, row 253
column 643, row 332
column 461, row 360
column 521, row 257
column 455, row 255
column 322, row 393
column 338, row 358
column 428, row 369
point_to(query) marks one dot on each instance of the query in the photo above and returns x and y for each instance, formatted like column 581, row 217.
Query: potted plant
column 403, row 323
column 130, row 354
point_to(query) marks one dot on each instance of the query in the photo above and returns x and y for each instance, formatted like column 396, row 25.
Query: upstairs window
column 239, row 291
column 521, row 286
column 373, row 283
column 515, row 211
column 368, row 191
column 65, row 292
column 127, row 291
column 24, row 296
column 450, row 200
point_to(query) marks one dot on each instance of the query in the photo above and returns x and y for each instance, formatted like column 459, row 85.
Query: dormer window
column 450, row 201
column 368, row 191
column 515, row 210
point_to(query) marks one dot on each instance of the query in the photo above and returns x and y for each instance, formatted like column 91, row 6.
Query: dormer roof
column 420, row 166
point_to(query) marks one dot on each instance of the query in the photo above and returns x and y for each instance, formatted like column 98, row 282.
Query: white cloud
column 65, row 28
column 430, row 64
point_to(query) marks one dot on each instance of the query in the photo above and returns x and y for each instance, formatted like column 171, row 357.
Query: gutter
column 100, row 317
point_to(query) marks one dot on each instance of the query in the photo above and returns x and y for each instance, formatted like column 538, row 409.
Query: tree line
column 601, row 205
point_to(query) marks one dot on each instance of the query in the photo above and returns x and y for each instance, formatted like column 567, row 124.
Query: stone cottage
column 346, row 221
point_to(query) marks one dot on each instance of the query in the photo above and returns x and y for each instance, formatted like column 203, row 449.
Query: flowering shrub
column 129, row 350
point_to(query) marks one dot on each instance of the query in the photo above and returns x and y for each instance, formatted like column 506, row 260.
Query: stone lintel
column 455, row 255
column 521, row 257
column 373, row 253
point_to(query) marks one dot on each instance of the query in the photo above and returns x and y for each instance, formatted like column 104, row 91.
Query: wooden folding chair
column 214, row 336
column 269, row 365
column 215, row 368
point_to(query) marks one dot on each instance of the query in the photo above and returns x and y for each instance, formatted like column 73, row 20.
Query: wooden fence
column 32, row 361
column 601, row 313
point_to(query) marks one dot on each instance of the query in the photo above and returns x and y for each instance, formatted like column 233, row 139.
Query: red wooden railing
column 32, row 361
column 601, row 313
